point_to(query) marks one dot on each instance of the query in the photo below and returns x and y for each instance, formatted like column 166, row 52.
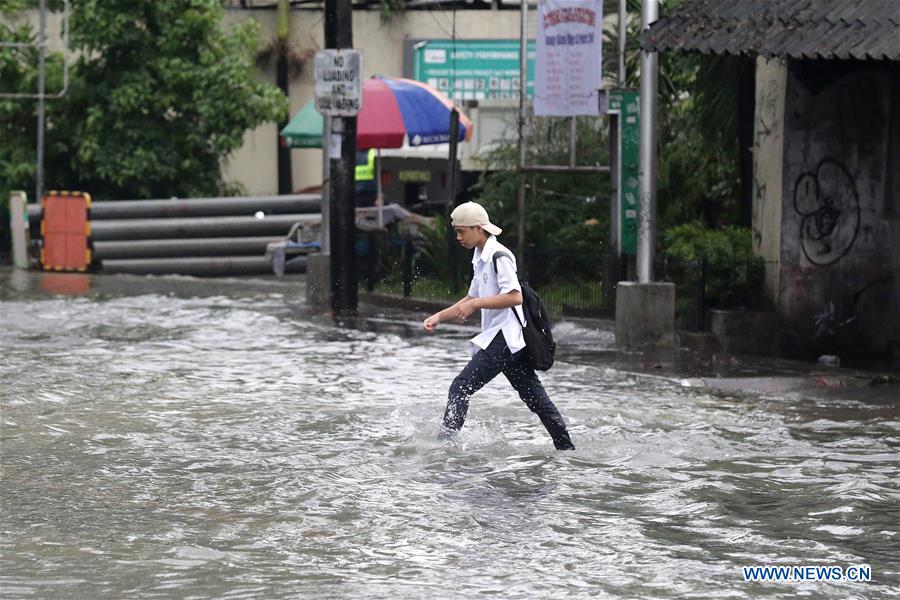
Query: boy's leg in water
column 484, row 366
column 532, row 392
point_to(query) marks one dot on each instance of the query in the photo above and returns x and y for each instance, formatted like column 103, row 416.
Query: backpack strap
column 512, row 308
column 499, row 255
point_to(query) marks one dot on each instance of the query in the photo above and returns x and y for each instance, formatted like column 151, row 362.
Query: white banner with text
column 568, row 65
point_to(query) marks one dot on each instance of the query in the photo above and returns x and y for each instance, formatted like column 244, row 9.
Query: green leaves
column 387, row 9
column 160, row 95
column 734, row 271
column 558, row 206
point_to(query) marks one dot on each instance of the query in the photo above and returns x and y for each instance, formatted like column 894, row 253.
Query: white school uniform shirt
column 487, row 283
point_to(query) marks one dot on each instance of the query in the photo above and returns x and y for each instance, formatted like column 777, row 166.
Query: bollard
column 19, row 228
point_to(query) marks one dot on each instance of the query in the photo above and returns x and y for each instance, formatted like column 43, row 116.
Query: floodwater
column 181, row 438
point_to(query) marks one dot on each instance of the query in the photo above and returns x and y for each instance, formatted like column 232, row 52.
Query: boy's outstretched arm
column 431, row 323
column 467, row 305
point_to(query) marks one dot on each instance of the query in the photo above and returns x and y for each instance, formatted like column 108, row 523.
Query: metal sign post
column 521, row 125
column 42, row 55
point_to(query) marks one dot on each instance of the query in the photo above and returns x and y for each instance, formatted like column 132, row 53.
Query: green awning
column 305, row 129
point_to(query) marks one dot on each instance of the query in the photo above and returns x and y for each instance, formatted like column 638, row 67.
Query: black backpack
column 539, row 344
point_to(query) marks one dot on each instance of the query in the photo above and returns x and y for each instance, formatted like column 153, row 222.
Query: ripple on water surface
column 207, row 439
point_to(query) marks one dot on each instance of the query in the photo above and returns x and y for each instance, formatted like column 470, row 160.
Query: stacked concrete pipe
column 196, row 236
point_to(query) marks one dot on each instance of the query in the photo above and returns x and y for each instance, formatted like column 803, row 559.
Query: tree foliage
column 159, row 96
column 388, row 8
column 734, row 271
column 562, row 210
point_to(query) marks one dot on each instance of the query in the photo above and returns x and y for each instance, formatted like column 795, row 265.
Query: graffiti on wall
column 830, row 321
column 828, row 204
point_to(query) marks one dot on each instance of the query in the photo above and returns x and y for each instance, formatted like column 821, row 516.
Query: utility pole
column 612, row 269
column 647, row 217
column 615, row 161
column 42, row 52
column 342, row 210
column 451, row 199
column 521, row 153
column 645, row 310
column 282, row 80
column 620, row 55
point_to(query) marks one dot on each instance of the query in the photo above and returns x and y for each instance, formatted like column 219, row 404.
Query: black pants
column 486, row 365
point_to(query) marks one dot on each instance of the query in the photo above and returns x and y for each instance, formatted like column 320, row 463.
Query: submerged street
column 171, row 437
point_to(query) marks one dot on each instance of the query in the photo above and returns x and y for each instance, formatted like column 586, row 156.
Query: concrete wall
column 836, row 288
column 768, row 146
column 893, row 210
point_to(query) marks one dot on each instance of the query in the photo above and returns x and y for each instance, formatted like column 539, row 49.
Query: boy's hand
column 431, row 323
column 465, row 309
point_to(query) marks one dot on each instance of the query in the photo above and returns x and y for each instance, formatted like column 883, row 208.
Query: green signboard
column 472, row 69
column 625, row 104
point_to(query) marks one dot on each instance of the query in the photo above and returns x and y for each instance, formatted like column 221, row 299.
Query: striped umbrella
column 393, row 109
column 305, row 129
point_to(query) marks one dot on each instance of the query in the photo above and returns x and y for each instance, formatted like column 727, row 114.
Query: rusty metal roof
column 843, row 29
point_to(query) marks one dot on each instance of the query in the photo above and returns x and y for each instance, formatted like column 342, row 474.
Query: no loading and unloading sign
column 339, row 82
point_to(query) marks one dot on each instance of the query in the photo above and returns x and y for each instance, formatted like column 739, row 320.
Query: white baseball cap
column 472, row 214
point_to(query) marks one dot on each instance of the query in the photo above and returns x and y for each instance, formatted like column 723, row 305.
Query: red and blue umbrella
column 393, row 108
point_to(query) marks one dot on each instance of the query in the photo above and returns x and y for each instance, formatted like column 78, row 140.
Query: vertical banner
column 568, row 76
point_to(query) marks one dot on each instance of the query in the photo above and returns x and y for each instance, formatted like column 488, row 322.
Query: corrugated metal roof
column 843, row 29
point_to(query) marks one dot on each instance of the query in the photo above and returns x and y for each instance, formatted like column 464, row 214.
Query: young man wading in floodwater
column 500, row 347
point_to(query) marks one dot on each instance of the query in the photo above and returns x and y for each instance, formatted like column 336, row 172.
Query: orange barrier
column 65, row 228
